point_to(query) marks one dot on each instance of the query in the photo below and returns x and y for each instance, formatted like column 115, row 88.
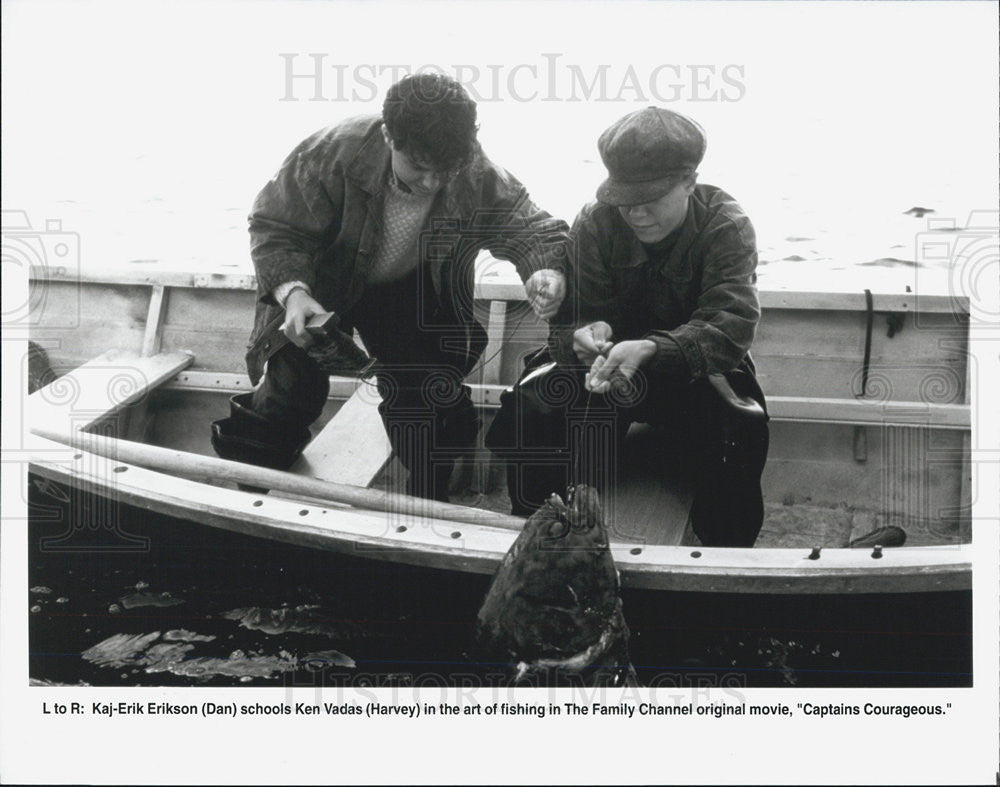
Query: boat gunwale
column 510, row 288
column 674, row 568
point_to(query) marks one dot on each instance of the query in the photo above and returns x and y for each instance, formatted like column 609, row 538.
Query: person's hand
column 299, row 307
column 592, row 341
column 545, row 290
column 623, row 360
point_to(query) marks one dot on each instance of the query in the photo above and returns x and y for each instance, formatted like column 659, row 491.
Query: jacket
column 317, row 221
column 700, row 301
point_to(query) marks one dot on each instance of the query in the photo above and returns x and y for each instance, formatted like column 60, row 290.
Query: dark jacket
column 699, row 304
column 317, row 221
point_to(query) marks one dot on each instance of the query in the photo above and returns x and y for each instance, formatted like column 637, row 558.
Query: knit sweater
column 398, row 249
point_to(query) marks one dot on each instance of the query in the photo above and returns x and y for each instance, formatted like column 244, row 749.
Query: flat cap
column 645, row 152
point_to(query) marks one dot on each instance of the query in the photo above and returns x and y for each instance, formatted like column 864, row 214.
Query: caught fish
column 553, row 610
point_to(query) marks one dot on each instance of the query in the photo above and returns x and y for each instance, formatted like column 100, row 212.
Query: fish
column 553, row 611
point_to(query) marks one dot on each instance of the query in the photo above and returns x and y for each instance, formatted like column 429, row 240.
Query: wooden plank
column 492, row 287
column 140, row 420
column 804, row 409
column 938, row 382
column 154, row 272
column 509, row 288
column 855, row 301
column 230, row 382
column 814, row 464
column 154, row 320
column 841, row 334
column 352, row 448
column 221, row 340
column 211, row 470
column 101, row 387
column 857, row 411
column 493, row 358
column 81, row 320
column 648, row 504
column 965, row 492
column 805, row 527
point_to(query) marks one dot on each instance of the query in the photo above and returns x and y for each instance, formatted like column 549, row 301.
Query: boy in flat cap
column 656, row 328
column 380, row 219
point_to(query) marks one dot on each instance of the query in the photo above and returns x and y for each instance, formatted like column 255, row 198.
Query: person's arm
column 586, row 321
column 292, row 217
column 721, row 329
column 527, row 236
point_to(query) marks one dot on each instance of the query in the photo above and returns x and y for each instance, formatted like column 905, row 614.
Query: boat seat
column 102, row 387
column 651, row 503
column 353, row 447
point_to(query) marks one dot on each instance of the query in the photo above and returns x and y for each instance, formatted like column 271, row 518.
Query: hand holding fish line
column 592, row 341
column 622, row 360
column 545, row 290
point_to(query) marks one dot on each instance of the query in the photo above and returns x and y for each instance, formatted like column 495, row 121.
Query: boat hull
column 242, row 601
column 469, row 548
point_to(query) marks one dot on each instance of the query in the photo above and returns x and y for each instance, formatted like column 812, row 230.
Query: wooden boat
column 148, row 360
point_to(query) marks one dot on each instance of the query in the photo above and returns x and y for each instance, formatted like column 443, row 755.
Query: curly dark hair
column 431, row 118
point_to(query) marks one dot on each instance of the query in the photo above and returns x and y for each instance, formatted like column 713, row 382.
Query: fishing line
column 479, row 369
column 575, row 471
column 481, row 366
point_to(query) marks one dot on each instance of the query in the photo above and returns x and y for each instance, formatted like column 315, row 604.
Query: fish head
column 578, row 518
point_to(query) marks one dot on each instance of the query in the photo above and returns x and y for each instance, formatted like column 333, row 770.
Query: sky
column 148, row 127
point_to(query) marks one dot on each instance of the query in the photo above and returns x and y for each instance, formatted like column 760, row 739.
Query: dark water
column 162, row 601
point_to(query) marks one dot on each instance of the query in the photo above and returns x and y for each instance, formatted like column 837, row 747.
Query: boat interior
column 868, row 396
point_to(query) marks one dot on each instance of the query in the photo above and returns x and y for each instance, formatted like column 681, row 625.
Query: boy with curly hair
column 380, row 220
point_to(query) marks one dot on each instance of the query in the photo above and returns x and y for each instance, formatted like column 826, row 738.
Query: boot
column 247, row 437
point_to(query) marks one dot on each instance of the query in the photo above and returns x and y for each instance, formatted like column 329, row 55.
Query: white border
column 961, row 749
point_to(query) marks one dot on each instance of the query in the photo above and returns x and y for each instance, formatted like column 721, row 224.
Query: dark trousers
column 427, row 412
column 567, row 435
